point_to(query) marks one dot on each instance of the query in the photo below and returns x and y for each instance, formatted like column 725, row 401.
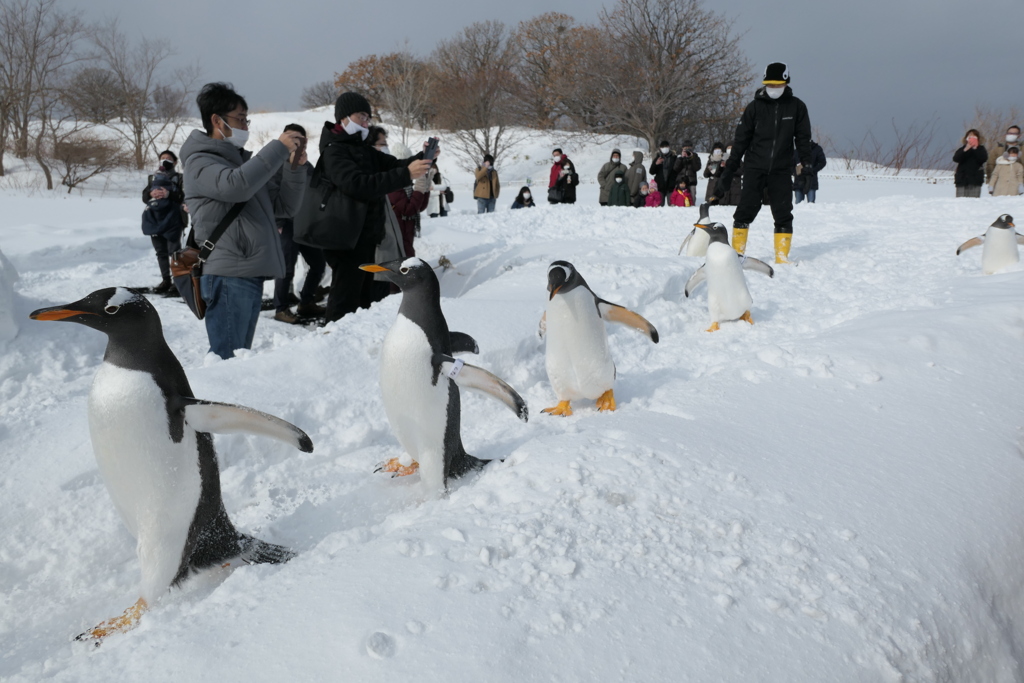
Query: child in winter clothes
column 1007, row 175
column 524, row 200
column 681, row 195
column 653, row 197
column 618, row 193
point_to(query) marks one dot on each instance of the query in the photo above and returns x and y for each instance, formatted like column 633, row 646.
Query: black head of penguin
column 716, row 233
column 563, row 277
column 1005, row 221
column 704, row 219
column 421, row 297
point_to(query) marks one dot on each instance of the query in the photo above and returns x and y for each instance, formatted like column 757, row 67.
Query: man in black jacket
column 764, row 142
column 663, row 169
column 364, row 176
column 687, row 165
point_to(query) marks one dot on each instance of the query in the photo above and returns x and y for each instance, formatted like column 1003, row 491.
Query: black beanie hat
column 776, row 73
column 349, row 103
column 488, row 157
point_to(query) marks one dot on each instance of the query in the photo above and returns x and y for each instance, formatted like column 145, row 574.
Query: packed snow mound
column 831, row 494
column 8, row 316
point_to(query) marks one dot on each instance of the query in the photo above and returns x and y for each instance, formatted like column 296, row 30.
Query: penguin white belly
column 999, row 250
column 728, row 296
column 154, row 482
column 578, row 361
column 416, row 409
column 698, row 244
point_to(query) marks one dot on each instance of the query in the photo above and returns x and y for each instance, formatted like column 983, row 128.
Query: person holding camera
column 487, row 187
column 165, row 217
column 663, row 169
column 219, row 173
column 687, row 166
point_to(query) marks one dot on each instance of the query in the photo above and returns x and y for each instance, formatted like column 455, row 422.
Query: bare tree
column 475, row 96
column 153, row 103
column 548, row 48
column 93, row 94
column 83, row 155
column 405, row 94
column 993, row 121
column 318, row 95
column 909, row 146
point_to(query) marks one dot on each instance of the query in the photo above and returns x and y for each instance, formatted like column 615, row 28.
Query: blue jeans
column 486, row 205
column 800, row 196
column 232, row 309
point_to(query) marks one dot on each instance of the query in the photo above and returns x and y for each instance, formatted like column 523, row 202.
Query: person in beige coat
column 1011, row 139
column 487, row 187
column 1007, row 177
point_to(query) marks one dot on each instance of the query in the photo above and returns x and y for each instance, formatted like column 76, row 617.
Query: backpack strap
column 208, row 245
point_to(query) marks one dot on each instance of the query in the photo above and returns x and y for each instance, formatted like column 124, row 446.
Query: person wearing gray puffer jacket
column 606, row 176
column 636, row 175
column 218, row 174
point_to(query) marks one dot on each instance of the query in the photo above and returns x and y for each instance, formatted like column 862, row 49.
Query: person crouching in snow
column 1007, row 176
column 618, row 193
column 652, row 198
column 524, row 200
column 681, row 195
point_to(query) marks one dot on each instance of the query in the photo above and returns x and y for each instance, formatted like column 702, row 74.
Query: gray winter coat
column 636, row 174
column 606, row 176
column 217, row 175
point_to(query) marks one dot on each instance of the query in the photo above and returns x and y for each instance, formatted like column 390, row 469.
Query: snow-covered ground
column 832, row 494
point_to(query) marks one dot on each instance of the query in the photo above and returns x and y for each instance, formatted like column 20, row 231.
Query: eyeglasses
column 360, row 117
column 236, row 117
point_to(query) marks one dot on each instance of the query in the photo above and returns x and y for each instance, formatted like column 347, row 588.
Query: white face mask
column 1012, row 159
column 717, row 153
column 1010, row 137
column 352, row 128
column 557, row 158
column 664, row 150
column 775, row 93
column 526, row 195
column 615, row 160
column 238, row 137
column 385, row 150
column 618, row 180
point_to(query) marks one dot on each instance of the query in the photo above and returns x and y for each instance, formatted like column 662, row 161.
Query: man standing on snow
column 606, row 176
column 764, row 142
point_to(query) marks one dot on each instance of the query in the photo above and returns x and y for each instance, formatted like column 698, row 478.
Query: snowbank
column 8, row 319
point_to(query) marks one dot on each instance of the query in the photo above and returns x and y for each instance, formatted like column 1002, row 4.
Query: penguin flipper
column 695, row 280
column 751, row 263
column 224, row 418
column 463, row 343
column 686, row 241
column 975, row 241
column 619, row 314
column 542, row 326
column 1020, row 238
column 471, row 377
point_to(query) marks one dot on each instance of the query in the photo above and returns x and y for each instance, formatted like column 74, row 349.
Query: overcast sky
column 856, row 63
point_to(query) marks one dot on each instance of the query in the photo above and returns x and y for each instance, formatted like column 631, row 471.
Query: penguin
column 578, row 361
column 696, row 243
column 420, row 380
column 728, row 296
column 151, row 438
column 1000, row 245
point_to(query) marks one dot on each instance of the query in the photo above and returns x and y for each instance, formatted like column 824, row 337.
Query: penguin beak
column 373, row 268
column 553, row 292
column 56, row 313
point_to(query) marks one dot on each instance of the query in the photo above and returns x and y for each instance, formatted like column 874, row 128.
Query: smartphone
column 298, row 152
column 431, row 150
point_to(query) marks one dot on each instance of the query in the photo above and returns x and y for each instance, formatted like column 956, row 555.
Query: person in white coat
column 437, row 205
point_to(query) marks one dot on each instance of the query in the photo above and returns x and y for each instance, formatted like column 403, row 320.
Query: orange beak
column 554, row 291
column 373, row 268
column 56, row 314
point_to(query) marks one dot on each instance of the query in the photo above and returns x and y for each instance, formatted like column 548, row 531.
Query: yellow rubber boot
column 782, row 242
column 739, row 240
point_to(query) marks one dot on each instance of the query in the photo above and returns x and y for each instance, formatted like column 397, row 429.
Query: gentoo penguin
column 578, row 361
column 1000, row 245
column 420, row 380
column 728, row 296
column 696, row 243
column 152, row 442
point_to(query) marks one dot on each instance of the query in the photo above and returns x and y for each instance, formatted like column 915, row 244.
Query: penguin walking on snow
column 696, row 243
column 1000, row 245
column 420, row 380
column 578, row 361
column 152, row 442
column 728, row 296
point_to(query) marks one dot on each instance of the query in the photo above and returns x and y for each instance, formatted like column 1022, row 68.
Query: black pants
column 165, row 245
column 314, row 259
column 352, row 288
column 780, row 197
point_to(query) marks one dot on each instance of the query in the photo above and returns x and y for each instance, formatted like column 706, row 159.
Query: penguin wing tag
column 686, row 241
column 750, row 263
column 973, row 242
column 618, row 314
column 477, row 379
column 695, row 280
column 224, row 418
column 463, row 343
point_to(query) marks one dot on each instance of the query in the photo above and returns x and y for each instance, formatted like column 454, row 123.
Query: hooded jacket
column 1006, row 178
column 218, row 175
column 997, row 151
column 606, row 176
column 618, row 193
column 808, row 178
column 970, row 165
column 766, row 134
column 636, row 174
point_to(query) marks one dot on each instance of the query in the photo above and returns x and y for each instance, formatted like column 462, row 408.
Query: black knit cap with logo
column 776, row 73
column 350, row 103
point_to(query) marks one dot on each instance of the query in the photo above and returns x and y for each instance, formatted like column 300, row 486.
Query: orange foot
column 714, row 327
column 562, row 409
column 606, row 401
column 746, row 316
column 397, row 469
column 125, row 622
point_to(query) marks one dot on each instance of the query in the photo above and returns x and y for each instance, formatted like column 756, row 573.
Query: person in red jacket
column 681, row 195
column 556, row 171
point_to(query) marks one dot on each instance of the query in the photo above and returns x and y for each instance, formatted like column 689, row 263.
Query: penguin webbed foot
column 714, row 327
column 606, row 401
column 746, row 316
column 122, row 624
column 396, row 468
column 563, row 409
